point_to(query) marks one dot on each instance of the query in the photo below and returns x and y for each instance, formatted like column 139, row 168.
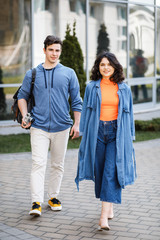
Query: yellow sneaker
column 36, row 209
column 55, row 204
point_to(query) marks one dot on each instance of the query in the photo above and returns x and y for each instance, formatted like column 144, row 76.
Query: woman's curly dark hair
column 117, row 76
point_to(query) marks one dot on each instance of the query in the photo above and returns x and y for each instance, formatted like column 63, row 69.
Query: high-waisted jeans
column 107, row 187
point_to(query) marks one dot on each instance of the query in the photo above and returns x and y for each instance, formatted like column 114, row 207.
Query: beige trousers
column 40, row 142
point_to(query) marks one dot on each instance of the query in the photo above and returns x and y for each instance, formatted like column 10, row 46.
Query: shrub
column 150, row 125
column 72, row 56
column 103, row 40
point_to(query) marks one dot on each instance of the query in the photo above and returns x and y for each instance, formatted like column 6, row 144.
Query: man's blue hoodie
column 52, row 89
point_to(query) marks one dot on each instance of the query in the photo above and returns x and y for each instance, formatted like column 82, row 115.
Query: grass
column 146, row 135
column 21, row 142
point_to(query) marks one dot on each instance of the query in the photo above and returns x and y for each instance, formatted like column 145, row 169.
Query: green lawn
column 146, row 135
column 21, row 142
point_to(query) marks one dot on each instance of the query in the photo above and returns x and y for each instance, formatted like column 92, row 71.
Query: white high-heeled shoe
column 111, row 217
column 103, row 225
column 106, row 228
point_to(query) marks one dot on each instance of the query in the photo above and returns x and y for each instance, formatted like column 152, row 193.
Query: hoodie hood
column 40, row 66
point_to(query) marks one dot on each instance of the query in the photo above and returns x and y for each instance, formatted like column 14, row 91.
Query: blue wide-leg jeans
column 107, row 187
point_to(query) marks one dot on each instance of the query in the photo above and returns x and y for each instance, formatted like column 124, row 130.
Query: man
column 54, row 83
column 139, row 66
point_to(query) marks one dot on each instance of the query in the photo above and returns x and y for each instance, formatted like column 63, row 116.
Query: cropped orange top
column 110, row 100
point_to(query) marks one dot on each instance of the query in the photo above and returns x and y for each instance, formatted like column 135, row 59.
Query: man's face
column 52, row 53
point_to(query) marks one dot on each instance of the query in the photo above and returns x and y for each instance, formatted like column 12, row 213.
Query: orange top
column 110, row 100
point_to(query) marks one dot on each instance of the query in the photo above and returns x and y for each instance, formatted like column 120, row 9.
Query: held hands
column 74, row 131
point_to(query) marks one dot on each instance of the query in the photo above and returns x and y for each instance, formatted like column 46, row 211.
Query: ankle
column 107, row 210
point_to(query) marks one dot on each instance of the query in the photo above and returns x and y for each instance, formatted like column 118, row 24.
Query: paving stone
column 47, row 224
column 85, row 224
column 9, row 238
column 155, row 228
column 86, row 234
column 146, row 223
column 127, row 234
column 3, row 234
column 35, row 233
column 11, row 224
column 13, row 231
column 139, row 226
column 146, row 236
column 104, row 235
column 27, row 226
column 138, row 217
column 125, row 238
column 54, row 235
column 125, row 220
column 155, row 233
column 25, row 236
column 68, row 232
column 70, row 237
column 142, row 231
column 70, row 227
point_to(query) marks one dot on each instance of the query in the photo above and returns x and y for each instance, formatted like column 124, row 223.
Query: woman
column 106, row 153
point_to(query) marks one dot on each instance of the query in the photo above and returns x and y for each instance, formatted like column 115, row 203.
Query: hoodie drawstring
column 52, row 77
column 45, row 78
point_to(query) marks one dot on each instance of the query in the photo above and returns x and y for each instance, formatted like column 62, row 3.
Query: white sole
column 111, row 217
column 103, row 228
column 35, row 213
column 55, row 208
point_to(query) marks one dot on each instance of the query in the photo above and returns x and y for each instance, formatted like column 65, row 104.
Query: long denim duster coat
column 125, row 157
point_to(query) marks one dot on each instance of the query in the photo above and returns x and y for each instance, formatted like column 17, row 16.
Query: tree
column 103, row 40
column 72, row 56
column 2, row 95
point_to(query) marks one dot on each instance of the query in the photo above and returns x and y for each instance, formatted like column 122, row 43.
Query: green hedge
column 150, row 125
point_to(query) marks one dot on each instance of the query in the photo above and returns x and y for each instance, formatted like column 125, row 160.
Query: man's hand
column 24, row 124
column 22, row 104
column 75, row 131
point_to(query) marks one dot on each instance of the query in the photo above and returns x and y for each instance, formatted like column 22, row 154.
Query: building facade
column 132, row 30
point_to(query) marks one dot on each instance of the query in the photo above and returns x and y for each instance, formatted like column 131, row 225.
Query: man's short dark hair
column 51, row 40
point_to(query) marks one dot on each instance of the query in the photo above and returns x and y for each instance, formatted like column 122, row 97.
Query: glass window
column 141, row 33
column 158, row 90
column 15, row 49
column 143, row 1
column 77, row 6
column 158, row 2
column 158, row 43
column 56, row 15
column 108, row 31
column 6, row 101
column 142, row 93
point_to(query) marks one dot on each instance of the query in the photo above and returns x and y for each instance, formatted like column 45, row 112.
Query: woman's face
column 106, row 70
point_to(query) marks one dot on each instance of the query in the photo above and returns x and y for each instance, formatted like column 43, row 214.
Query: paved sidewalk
column 138, row 217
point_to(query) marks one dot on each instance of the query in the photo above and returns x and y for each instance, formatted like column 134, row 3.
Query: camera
column 28, row 118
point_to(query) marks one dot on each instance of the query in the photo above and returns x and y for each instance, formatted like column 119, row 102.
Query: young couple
column 106, row 126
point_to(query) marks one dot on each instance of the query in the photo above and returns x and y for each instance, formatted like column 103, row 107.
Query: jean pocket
column 114, row 125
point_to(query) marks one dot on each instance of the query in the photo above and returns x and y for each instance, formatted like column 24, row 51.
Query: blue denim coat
column 89, row 123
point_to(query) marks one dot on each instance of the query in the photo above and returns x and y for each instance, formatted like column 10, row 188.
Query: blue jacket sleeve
column 83, row 114
column 26, row 86
column 76, row 100
column 131, row 115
